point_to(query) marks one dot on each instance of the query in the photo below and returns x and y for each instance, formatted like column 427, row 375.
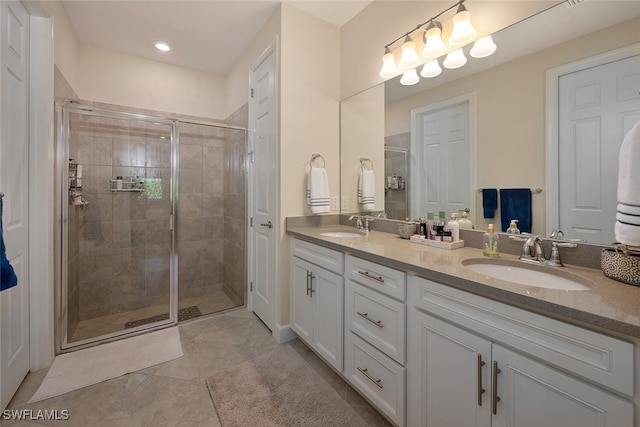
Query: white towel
column 318, row 190
column 627, row 228
column 367, row 190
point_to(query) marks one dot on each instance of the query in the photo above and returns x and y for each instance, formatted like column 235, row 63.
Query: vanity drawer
column 376, row 376
column 377, row 318
column 382, row 279
column 318, row 255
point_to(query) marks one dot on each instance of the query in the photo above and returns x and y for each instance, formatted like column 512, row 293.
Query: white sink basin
column 528, row 275
column 342, row 233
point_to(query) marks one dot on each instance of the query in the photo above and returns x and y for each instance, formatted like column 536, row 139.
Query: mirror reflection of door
column 597, row 106
column 440, row 157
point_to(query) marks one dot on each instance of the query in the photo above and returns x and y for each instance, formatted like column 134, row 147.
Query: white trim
column 471, row 99
column 283, row 333
column 41, row 196
column 553, row 128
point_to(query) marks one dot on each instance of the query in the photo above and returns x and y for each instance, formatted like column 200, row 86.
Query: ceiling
column 206, row 35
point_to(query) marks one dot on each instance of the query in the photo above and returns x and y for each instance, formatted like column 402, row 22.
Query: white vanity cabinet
column 317, row 296
column 477, row 362
column 375, row 337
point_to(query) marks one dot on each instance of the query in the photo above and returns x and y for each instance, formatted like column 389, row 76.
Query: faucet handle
column 554, row 260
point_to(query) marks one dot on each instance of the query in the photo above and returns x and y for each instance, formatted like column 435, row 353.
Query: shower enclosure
column 152, row 222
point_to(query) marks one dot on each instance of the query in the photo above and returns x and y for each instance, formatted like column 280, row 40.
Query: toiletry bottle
column 464, row 222
column 490, row 243
column 513, row 228
column 394, row 182
column 430, row 217
column 423, row 226
column 118, row 183
column 454, row 227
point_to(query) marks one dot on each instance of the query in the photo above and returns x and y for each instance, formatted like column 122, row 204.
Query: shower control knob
column 268, row 225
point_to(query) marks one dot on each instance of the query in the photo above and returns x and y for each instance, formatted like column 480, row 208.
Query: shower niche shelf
column 127, row 186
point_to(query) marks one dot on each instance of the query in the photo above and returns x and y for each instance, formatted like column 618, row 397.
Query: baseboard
column 283, row 333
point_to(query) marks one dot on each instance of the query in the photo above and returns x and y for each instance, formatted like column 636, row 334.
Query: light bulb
column 433, row 46
column 431, row 69
column 389, row 67
column 463, row 32
column 410, row 77
column 162, row 46
column 455, row 59
column 483, row 47
column 409, row 58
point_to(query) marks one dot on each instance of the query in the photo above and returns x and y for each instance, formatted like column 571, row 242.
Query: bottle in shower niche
column 490, row 243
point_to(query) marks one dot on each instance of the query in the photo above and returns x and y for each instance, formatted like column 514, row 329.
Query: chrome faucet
column 367, row 223
column 533, row 251
column 358, row 219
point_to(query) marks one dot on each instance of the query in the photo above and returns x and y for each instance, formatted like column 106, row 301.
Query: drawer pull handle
column 365, row 316
column 481, row 390
column 370, row 276
column 308, row 281
column 495, row 398
column 369, row 377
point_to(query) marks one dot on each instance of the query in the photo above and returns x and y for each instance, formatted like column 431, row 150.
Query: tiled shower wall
column 124, row 238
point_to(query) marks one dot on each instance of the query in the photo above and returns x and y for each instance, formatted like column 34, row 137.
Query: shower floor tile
column 91, row 328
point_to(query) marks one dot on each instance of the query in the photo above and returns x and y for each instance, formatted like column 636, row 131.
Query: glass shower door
column 117, row 241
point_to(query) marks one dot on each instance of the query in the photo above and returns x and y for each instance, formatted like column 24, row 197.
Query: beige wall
column 364, row 37
column 115, row 78
column 512, row 127
column 65, row 44
column 309, row 120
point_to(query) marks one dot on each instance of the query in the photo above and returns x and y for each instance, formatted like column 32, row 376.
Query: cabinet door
column 327, row 293
column 534, row 394
column 450, row 372
column 301, row 304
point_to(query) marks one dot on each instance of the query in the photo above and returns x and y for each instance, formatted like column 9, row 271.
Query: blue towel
column 8, row 277
column 489, row 202
column 515, row 203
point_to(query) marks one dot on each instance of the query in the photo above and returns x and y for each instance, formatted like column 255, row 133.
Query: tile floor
column 174, row 393
column 208, row 303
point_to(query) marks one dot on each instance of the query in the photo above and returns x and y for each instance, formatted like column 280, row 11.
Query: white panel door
column 14, row 179
column 597, row 106
column 262, row 188
column 440, row 145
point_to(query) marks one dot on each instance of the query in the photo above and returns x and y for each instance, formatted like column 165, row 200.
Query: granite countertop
column 608, row 305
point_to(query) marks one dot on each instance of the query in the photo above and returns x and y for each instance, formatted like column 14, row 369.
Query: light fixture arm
column 431, row 21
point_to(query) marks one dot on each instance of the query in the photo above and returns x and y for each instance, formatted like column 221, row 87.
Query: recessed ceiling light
column 162, row 46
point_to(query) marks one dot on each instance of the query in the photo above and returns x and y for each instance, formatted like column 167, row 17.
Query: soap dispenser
column 454, row 227
column 465, row 222
column 513, row 227
column 490, row 243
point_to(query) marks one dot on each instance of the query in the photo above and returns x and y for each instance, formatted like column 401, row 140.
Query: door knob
column 268, row 225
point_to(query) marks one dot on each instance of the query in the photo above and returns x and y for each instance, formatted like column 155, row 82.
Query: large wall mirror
column 511, row 100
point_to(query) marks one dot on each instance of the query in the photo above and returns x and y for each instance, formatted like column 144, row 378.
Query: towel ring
column 363, row 162
column 317, row 156
column 1, row 195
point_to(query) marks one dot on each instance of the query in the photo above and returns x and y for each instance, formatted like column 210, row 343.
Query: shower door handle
column 268, row 225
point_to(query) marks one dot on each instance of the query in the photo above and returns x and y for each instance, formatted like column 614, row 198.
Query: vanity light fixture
column 389, row 67
column 483, row 47
column 431, row 69
column 463, row 32
column 409, row 58
column 434, row 47
column 162, row 46
column 454, row 59
column 410, row 77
